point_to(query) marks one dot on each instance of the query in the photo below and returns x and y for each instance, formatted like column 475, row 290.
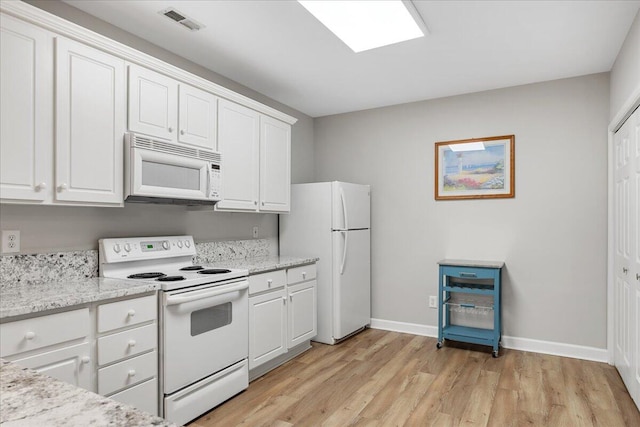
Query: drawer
column 30, row 334
column 125, row 313
column 126, row 373
column 470, row 272
column 142, row 396
column 300, row 274
column 127, row 343
column 265, row 281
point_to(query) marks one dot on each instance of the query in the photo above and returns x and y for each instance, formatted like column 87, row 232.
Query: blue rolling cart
column 473, row 286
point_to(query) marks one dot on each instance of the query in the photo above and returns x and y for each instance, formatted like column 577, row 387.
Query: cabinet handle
column 132, row 343
column 132, row 372
column 304, row 274
column 262, row 203
column 62, row 187
column 41, row 186
column 170, row 129
column 255, row 202
column 291, row 298
column 131, row 313
column 85, row 359
column 30, row 335
column 269, row 282
column 637, row 276
column 463, row 274
column 284, row 300
column 625, row 270
column 181, row 131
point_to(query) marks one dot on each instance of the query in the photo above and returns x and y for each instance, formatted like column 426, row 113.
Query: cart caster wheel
column 495, row 353
column 438, row 345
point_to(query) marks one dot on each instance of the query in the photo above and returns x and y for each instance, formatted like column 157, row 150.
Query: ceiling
column 278, row 49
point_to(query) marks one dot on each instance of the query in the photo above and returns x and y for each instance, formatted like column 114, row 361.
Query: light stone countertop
column 263, row 264
column 47, row 295
column 28, row 398
column 472, row 263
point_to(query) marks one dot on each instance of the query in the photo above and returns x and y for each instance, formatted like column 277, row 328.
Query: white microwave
column 157, row 171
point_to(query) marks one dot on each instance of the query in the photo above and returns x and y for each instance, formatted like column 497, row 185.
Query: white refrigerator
column 331, row 220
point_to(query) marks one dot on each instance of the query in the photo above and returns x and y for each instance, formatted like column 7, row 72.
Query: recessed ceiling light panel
column 367, row 24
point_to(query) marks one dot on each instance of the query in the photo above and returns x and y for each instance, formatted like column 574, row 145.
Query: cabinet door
column 153, row 103
column 90, row 124
column 70, row 364
column 267, row 327
column 26, row 111
column 302, row 313
column 197, row 116
column 275, row 165
column 238, row 141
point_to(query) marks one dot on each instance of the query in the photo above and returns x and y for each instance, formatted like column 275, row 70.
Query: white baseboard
column 515, row 343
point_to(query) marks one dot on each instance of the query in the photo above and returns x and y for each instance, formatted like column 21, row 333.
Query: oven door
column 204, row 329
column 157, row 174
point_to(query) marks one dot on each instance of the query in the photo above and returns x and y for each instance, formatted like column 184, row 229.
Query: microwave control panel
column 215, row 182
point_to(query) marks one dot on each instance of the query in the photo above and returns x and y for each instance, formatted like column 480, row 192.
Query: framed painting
column 479, row 168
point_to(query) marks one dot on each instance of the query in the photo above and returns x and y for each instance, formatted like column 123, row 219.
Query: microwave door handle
column 181, row 299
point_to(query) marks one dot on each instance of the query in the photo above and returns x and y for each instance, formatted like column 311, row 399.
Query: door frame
column 616, row 123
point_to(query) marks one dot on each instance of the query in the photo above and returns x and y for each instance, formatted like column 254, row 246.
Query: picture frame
column 477, row 168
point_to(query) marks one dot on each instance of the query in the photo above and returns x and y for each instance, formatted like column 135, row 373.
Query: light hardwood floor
column 380, row 378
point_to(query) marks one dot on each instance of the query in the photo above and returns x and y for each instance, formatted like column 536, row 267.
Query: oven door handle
column 195, row 296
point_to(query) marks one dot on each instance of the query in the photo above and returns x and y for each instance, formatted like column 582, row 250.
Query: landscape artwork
column 475, row 168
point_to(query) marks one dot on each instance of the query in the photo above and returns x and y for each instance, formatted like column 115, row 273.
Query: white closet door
column 627, row 254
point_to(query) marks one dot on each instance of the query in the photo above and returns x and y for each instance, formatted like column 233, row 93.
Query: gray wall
column 552, row 235
column 46, row 229
column 625, row 74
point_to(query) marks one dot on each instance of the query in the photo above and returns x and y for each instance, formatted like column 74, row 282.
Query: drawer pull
column 132, row 372
column 269, row 282
column 30, row 335
column 131, row 313
column 284, row 300
column 304, row 274
column 463, row 274
column 85, row 359
column 132, row 343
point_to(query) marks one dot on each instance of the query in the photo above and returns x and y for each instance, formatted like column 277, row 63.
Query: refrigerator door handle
column 344, row 251
column 344, row 208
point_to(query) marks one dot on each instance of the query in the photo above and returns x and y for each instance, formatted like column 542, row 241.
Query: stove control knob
column 187, row 243
column 116, row 248
column 127, row 247
column 180, row 244
column 165, row 245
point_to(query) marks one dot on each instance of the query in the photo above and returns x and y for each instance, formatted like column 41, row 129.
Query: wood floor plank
column 380, row 378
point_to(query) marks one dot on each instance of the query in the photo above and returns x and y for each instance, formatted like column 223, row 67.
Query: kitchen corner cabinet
column 256, row 156
column 470, row 288
column 72, row 157
column 282, row 312
column 162, row 107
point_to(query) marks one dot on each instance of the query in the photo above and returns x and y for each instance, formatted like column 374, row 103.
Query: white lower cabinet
column 282, row 313
column 138, row 396
column 69, row 364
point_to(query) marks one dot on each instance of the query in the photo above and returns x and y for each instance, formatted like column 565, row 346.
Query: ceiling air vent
column 181, row 19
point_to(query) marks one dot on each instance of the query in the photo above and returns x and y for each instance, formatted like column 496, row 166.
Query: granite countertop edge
column 18, row 299
column 30, row 398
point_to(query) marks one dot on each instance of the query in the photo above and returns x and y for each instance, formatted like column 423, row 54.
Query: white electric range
column 203, row 320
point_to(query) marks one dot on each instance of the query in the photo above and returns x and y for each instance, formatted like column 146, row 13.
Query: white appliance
column 331, row 220
column 203, row 321
column 162, row 172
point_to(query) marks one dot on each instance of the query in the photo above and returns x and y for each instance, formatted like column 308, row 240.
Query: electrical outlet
column 433, row 301
column 10, row 241
column 255, row 232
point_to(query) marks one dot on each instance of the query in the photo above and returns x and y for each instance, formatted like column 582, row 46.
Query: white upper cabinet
column 162, row 107
column 90, row 124
column 26, row 111
column 197, row 117
column 275, row 165
column 153, row 103
column 256, row 160
column 238, row 141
